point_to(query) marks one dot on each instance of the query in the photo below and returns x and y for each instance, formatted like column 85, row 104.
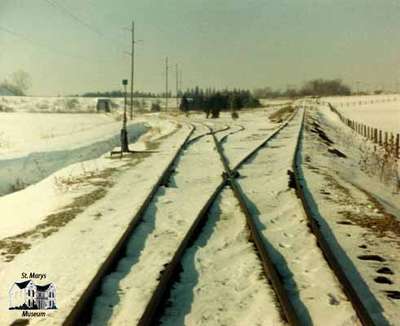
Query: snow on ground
column 222, row 268
column 241, row 141
column 71, row 104
column 126, row 292
column 275, row 102
column 313, row 288
column 68, row 233
column 382, row 112
column 89, row 204
column 33, row 146
column 357, row 209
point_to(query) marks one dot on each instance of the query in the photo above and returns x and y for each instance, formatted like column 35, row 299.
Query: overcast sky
column 218, row 43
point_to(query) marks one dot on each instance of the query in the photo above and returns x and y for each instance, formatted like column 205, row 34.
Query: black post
column 124, row 132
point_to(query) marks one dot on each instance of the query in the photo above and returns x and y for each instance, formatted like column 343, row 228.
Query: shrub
column 71, row 104
column 155, row 106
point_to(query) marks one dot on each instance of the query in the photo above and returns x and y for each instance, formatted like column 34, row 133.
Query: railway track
column 291, row 314
column 154, row 307
column 151, row 314
column 81, row 313
column 357, row 302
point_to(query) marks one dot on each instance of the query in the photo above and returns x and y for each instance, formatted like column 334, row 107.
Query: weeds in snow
column 12, row 246
column 18, row 185
column 380, row 162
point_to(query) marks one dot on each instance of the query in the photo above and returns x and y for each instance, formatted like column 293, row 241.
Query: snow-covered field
column 33, row 146
column 50, row 104
column 74, row 203
column 382, row 112
column 71, row 104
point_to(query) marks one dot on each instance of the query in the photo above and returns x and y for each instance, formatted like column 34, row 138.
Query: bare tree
column 21, row 80
column 18, row 84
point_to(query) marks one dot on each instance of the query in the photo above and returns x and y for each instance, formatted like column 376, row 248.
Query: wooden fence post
column 380, row 137
column 392, row 147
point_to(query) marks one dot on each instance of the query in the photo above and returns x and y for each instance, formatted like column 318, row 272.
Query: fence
column 366, row 101
column 389, row 141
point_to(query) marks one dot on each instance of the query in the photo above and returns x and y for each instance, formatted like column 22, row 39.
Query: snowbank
column 33, row 146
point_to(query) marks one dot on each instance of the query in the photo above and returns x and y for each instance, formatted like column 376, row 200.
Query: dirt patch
column 12, row 246
column 337, row 152
column 292, row 179
column 393, row 294
column 388, row 222
column 322, row 135
column 371, row 258
column 282, row 114
column 385, row 270
column 382, row 280
column 98, row 181
column 372, row 217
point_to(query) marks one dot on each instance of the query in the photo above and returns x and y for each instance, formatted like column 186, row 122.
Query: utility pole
column 166, row 83
column 180, row 80
column 177, row 86
column 132, row 67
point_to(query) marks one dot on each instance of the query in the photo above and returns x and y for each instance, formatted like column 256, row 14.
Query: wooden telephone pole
column 177, row 86
column 166, row 83
column 132, row 67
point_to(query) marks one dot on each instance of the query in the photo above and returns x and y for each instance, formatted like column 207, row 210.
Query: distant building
column 103, row 105
column 28, row 295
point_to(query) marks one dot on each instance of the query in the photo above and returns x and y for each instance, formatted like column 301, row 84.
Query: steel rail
column 152, row 312
column 241, row 128
column 81, row 312
column 194, row 139
column 270, row 270
column 264, row 142
column 362, row 312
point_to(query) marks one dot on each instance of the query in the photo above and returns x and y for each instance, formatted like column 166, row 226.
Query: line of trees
column 120, row 93
column 213, row 101
column 315, row 87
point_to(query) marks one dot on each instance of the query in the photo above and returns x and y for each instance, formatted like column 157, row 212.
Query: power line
column 45, row 47
column 79, row 20
column 73, row 16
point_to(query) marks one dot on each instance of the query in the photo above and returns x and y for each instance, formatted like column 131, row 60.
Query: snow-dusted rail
column 153, row 311
column 350, row 290
column 225, row 137
column 196, row 138
column 82, row 311
column 269, row 267
column 80, row 314
column 271, row 271
column 154, row 308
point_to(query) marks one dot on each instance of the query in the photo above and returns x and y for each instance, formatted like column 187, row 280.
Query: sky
column 74, row 46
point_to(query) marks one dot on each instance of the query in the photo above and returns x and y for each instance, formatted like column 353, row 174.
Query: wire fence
column 389, row 141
